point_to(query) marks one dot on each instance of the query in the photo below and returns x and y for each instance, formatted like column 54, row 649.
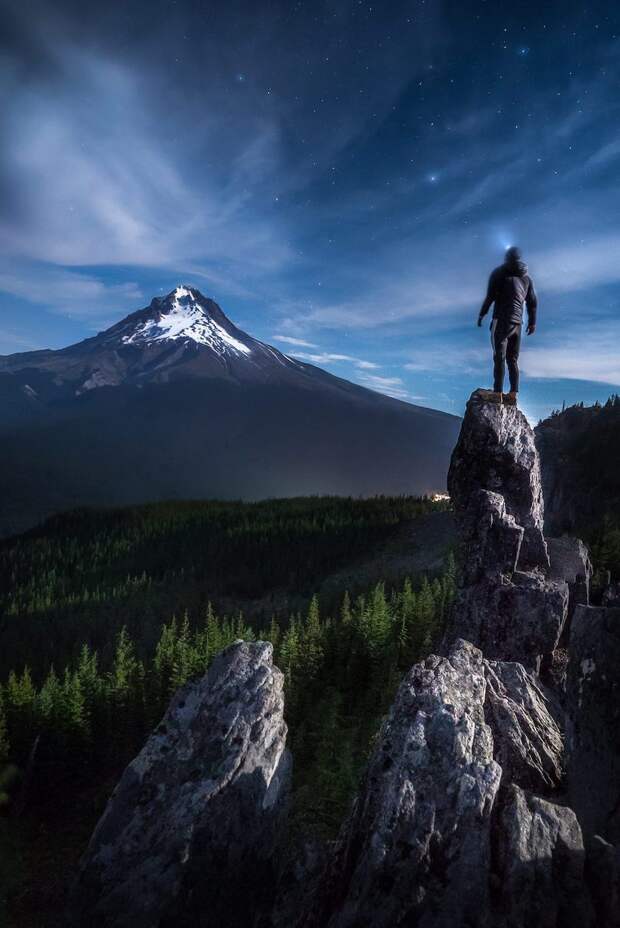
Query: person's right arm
column 531, row 301
column 489, row 298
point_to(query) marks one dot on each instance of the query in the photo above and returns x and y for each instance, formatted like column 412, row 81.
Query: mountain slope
column 175, row 401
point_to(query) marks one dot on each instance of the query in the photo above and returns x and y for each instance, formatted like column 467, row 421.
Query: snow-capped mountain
column 181, row 335
column 186, row 315
column 176, row 401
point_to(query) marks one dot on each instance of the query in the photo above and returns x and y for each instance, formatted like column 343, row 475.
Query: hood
column 514, row 262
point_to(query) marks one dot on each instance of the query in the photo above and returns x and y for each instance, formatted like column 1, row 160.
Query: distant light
column 523, row 51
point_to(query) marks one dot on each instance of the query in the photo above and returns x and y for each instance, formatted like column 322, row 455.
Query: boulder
column 416, row 847
column 192, row 826
column 527, row 740
column 518, row 619
column 496, row 451
column 570, row 561
column 540, row 865
column 611, row 595
column 593, row 705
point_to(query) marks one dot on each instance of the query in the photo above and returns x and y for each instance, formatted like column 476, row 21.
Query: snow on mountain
column 184, row 316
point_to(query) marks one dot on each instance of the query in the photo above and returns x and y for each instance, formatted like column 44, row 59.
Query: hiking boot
column 510, row 399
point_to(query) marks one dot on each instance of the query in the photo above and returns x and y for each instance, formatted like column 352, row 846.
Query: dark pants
column 506, row 341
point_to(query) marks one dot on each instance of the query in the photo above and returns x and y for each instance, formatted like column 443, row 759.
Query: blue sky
column 340, row 177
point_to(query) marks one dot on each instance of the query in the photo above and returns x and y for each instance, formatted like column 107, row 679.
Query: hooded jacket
column 509, row 288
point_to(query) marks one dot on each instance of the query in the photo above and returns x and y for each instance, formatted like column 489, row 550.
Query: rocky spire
column 192, row 825
column 450, row 829
column 496, row 452
column 508, row 604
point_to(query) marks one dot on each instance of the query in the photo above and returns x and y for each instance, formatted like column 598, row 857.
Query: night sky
column 340, row 177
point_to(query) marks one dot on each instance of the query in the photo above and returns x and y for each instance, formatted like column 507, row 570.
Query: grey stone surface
column 192, row 825
column 528, row 742
column 570, row 561
column 507, row 605
column 442, row 832
column 417, row 845
column 593, row 704
column 490, row 538
column 519, row 619
column 541, row 865
column 496, row 451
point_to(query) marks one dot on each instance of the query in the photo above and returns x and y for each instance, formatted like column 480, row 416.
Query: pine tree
column 182, row 663
column 20, row 712
column 312, row 643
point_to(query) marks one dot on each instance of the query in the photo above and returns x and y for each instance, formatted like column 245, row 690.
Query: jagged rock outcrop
column 441, row 834
column 419, row 837
column 496, row 451
column 518, row 618
column 593, row 705
column 540, row 865
column 190, row 832
column 490, row 537
column 528, row 742
column 507, row 604
column 570, row 561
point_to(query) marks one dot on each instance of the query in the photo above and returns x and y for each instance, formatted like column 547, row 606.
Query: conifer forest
column 106, row 614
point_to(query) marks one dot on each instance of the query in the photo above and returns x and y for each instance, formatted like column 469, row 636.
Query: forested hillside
column 106, row 614
column 84, row 575
column 580, row 449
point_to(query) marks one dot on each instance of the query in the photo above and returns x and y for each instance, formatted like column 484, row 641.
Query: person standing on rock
column 509, row 288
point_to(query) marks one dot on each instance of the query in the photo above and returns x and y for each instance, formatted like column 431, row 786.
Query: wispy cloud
column 578, row 355
column 71, row 293
column 328, row 357
column 392, row 386
column 291, row 340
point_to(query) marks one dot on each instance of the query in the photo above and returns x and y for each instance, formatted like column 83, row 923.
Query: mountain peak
column 186, row 315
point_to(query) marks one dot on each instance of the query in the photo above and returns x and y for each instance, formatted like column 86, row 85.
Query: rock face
column 496, row 452
column 512, row 618
column 540, row 864
column 490, row 538
column 570, row 561
column 593, row 702
column 441, row 834
column 195, row 815
column 528, row 742
column 507, row 605
column 419, row 837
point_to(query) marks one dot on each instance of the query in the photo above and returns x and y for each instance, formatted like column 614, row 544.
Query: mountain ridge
column 174, row 401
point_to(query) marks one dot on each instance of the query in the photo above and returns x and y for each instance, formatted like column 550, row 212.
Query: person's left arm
column 531, row 301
